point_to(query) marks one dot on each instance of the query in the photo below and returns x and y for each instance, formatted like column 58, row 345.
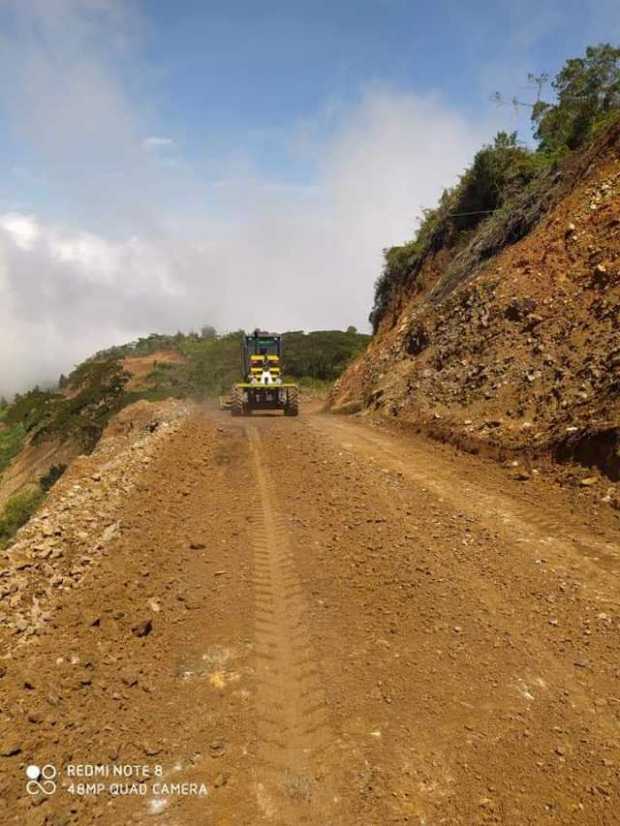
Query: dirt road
column 319, row 621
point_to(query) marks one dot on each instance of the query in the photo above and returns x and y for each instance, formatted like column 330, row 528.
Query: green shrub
column 144, row 346
column 213, row 364
column 30, row 409
column 320, row 355
column 498, row 173
column 99, row 388
column 17, row 512
column 400, row 263
column 588, row 92
column 52, row 476
column 11, row 442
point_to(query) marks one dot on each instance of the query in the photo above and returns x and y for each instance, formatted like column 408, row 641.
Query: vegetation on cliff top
column 500, row 196
column 94, row 392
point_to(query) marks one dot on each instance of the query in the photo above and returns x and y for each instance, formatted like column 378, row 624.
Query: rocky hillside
column 514, row 349
column 68, row 536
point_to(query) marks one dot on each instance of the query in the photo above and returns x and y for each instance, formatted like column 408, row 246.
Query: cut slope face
column 525, row 351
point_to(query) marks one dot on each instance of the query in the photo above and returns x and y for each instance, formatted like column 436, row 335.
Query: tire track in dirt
column 292, row 715
column 548, row 528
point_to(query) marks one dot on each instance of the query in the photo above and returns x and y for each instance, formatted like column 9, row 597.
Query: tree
column 351, row 329
column 505, row 140
column 208, row 332
column 587, row 90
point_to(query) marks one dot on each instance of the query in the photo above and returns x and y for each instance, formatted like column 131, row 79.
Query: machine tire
column 237, row 406
column 292, row 402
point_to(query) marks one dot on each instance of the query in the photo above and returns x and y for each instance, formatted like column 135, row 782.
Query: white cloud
column 156, row 142
column 152, row 248
column 23, row 229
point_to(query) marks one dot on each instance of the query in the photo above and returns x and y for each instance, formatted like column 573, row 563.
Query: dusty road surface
column 317, row 621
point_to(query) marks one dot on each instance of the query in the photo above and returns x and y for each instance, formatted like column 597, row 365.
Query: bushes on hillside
column 11, row 441
column 498, row 173
column 96, row 394
column 49, row 479
column 502, row 174
column 30, row 409
column 400, row 263
column 17, row 512
column 322, row 354
column 213, row 361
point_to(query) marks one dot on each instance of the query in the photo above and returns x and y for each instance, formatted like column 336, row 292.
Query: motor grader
column 262, row 387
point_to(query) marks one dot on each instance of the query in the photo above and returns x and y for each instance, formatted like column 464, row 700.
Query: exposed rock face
column 525, row 352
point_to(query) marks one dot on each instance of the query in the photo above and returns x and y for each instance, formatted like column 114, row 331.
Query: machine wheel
column 236, row 408
column 292, row 402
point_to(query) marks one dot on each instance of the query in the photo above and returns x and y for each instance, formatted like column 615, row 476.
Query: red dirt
column 324, row 622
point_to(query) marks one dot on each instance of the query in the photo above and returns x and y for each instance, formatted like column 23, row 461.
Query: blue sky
column 245, row 76
column 168, row 164
column 248, row 71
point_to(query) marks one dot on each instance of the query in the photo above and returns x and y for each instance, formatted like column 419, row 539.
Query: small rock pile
column 58, row 547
